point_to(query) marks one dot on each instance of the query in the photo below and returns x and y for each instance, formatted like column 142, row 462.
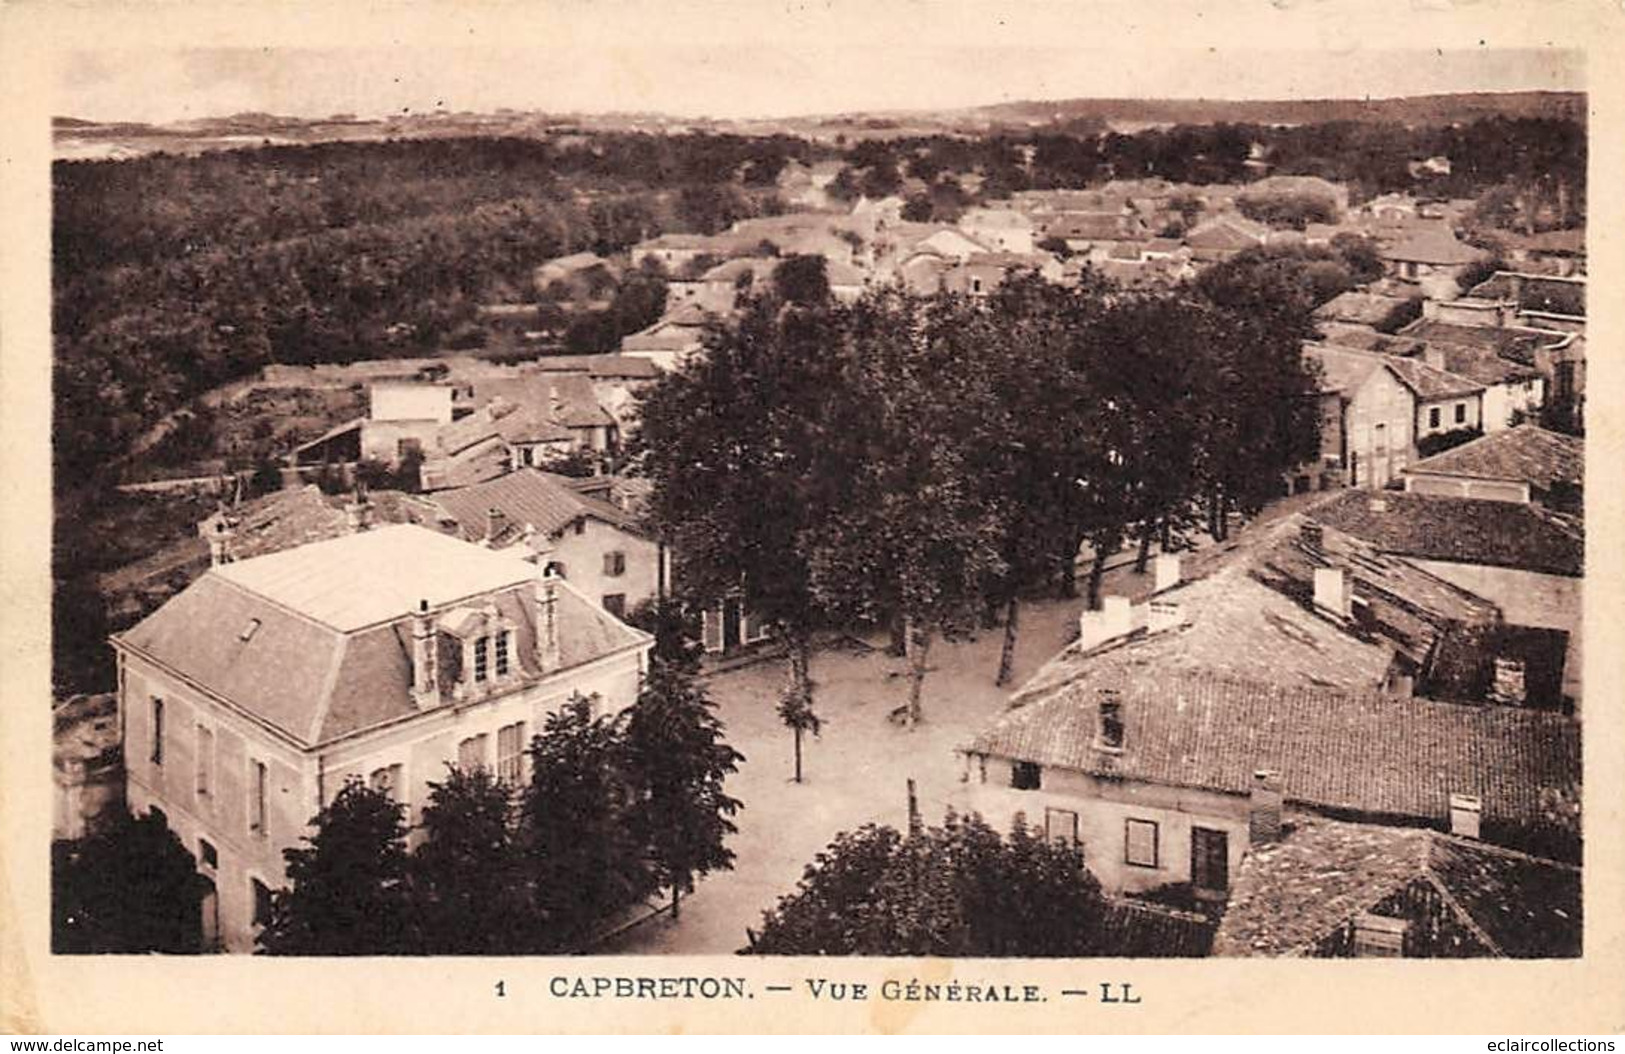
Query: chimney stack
column 1164, row 615
column 425, row 659
column 1264, row 810
column 1167, row 572
column 220, row 542
column 1119, row 613
column 496, row 521
column 1466, row 810
column 547, row 620
column 1433, row 355
column 1331, row 592
column 1312, row 535
column 1510, row 687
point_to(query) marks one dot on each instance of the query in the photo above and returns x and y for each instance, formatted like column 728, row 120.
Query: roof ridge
column 1462, row 913
column 329, row 682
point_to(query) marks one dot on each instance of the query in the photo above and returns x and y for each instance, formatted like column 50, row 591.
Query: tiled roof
column 514, row 421
column 1133, row 929
column 302, row 672
column 1427, row 383
column 1360, row 752
column 1432, row 245
column 479, row 461
column 1563, row 296
column 1289, row 896
column 1226, row 231
column 1254, row 618
column 1342, row 369
column 526, row 497
column 1313, row 185
column 1459, row 530
column 1356, row 306
column 1527, row 453
column 1096, row 226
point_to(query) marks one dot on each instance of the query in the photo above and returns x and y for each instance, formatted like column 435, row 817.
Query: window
column 614, row 564
column 554, row 568
column 1433, row 417
column 1140, row 843
column 581, row 525
column 482, row 658
column 256, row 798
column 615, row 604
column 511, row 753
column 502, row 652
column 1026, row 775
column 387, row 781
column 471, row 753
column 1061, row 825
column 205, row 761
column 1461, row 413
column 262, row 902
column 157, row 731
column 207, row 853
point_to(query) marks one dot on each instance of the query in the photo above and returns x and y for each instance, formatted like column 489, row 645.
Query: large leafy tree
column 678, row 761
column 348, row 890
column 468, row 892
column 961, row 889
column 582, row 854
column 731, row 444
column 129, row 887
column 914, row 533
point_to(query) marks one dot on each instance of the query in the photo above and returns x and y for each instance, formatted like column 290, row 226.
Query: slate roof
column 359, row 580
column 526, row 497
column 1289, row 896
column 1366, row 753
column 1459, row 530
column 330, row 647
column 1527, row 453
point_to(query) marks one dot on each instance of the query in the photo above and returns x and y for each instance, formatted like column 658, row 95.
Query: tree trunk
column 676, row 894
column 899, row 637
column 1007, row 655
column 1069, row 571
column 1097, row 571
column 1167, row 529
column 1142, row 559
column 798, row 753
column 798, row 653
column 919, row 645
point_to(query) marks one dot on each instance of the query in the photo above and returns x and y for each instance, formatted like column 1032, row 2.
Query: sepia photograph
column 953, row 498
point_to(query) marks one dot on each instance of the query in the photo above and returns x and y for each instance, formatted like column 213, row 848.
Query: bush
column 1439, row 442
column 1400, row 315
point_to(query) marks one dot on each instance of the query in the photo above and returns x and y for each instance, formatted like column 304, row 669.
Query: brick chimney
column 1114, row 619
column 1466, row 810
column 496, row 521
column 1433, row 355
column 547, row 620
column 1264, row 809
column 220, row 538
column 425, row 659
column 1166, row 570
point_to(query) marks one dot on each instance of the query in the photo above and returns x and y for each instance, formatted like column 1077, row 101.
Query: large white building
column 250, row 698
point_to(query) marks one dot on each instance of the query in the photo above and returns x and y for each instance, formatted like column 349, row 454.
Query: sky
column 801, row 61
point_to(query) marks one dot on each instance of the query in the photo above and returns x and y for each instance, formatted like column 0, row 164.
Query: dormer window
column 482, row 650
column 502, row 652
column 1109, row 723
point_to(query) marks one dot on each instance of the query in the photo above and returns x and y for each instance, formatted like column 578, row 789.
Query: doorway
column 1210, row 862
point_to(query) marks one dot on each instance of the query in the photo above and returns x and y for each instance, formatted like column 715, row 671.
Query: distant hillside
column 1413, row 110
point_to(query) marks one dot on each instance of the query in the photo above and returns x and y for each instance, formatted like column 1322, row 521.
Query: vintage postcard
column 708, row 516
